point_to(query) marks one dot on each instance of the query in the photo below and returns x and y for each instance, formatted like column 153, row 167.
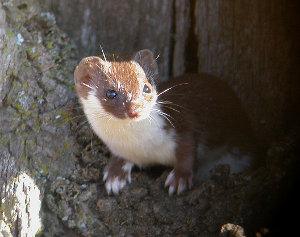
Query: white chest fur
column 144, row 142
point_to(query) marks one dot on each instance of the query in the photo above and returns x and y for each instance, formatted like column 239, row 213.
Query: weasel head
column 118, row 90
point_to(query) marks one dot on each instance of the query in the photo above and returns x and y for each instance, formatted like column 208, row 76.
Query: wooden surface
column 251, row 44
column 119, row 26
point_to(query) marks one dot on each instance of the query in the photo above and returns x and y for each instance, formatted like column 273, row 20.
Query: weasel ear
column 89, row 67
column 146, row 60
column 86, row 71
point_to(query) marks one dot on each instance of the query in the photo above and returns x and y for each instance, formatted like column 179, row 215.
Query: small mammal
column 144, row 122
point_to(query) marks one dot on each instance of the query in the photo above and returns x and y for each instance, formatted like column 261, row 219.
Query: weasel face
column 115, row 90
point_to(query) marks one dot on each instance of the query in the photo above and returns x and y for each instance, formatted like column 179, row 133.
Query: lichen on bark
column 34, row 139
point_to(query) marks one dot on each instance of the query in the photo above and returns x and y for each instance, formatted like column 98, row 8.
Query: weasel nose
column 132, row 112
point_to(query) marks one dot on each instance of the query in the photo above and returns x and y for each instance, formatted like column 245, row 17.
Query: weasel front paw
column 116, row 175
column 179, row 181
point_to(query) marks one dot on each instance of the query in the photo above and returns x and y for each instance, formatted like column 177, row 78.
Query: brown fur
column 84, row 75
column 207, row 108
column 207, row 112
column 121, row 77
column 125, row 74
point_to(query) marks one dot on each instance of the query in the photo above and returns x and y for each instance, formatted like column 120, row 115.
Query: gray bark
column 36, row 83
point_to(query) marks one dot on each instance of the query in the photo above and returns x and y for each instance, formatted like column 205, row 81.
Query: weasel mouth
column 133, row 113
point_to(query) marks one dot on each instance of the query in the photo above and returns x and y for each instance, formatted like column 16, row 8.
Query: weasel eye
column 146, row 89
column 111, row 94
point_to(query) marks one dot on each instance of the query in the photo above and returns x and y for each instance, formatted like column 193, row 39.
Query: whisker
column 171, row 103
column 149, row 119
column 176, row 94
column 171, row 108
column 167, row 119
column 88, row 86
column 154, row 120
column 165, row 115
column 159, row 111
column 92, row 81
column 100, row 70
column 166, row 90
column 103, row 53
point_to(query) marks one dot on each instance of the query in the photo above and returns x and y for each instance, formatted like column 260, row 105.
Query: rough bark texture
column 49, row 153
column 36, row 86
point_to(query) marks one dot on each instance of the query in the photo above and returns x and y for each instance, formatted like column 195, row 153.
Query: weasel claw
column 116, row 175
column 178, row 182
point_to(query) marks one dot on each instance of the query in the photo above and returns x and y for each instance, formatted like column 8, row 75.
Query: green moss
column 5, row 49
column 25, row 113
column 32, row 53
column 44, row 169
column 40, row 233
column 23, row 126
column 4, row 140
column 26, row 85
column 22, row 6
column 10, row 34
column 24, row 158
column 11, row 98
column 71, row 87
column 66, row 116
column 66, row 145
column 8, row 207
column 30, row 144
column 37, row 126
column 18, row 107
column 49, row 45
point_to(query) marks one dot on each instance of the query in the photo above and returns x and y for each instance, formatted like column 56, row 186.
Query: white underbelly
column 144, row 151
column 142, row 143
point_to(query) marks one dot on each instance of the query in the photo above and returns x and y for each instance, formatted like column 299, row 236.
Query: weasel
column 144, row 122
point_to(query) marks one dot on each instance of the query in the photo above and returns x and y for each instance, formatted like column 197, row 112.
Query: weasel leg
column 116, row 174
column 181, row 177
